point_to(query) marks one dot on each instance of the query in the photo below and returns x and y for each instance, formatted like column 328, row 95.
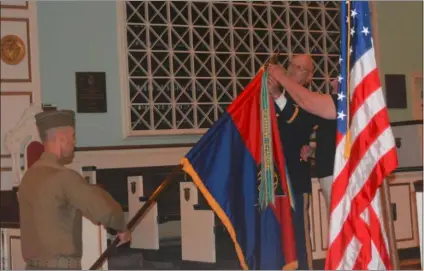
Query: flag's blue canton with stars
column 360, row 43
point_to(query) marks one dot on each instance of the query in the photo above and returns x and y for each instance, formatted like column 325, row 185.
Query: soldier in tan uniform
column 53, row 198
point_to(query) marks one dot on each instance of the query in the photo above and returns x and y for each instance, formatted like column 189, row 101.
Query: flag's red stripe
column 340, row 184
column 365, row 88
column 364, row 197
column 378, row 238
column 359, row 147
column 383, row 167
column 368, row 135
column 364, row 236
column 369, row 84
column 336, row 251
column 369, row 233
column 354, row 226
column 249, row 125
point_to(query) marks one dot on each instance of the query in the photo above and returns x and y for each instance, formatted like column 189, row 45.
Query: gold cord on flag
column 348, row 143
column 266, row 191
column 266, row 186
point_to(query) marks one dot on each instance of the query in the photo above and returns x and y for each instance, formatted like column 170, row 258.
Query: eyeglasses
column 299, row 68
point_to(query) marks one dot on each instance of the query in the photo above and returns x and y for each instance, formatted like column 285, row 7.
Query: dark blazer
column 295, row 126
column 300, row 123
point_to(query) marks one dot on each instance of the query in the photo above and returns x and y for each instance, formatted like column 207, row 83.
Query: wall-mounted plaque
column 91, row 92
column 396, row 91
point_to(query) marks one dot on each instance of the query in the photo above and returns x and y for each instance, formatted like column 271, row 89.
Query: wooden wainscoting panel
column 14, row 4
column 408, row 143
column 7, row 177
column 323, row 221
column 312, row 223
column 6, row 181
column 16, row 260
column 400, row 195
column 316, row 231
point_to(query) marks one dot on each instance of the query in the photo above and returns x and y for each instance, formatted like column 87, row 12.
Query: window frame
column 127, row 130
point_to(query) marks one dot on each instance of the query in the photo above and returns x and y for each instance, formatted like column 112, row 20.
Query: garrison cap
column 54, row 118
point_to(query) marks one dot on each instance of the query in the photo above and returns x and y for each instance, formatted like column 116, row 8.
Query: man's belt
column 60, row 262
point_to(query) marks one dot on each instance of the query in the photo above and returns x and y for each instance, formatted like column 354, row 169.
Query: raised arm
column 321, row 105
column 287, row 110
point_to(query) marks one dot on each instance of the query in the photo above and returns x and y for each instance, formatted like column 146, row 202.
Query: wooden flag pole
column 138, row 216
column 389, row 225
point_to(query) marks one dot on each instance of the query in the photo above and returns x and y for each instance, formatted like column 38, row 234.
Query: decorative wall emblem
column 187, row 194
column 398, row 142
column 133, row 187
column 12, row 49
column 88, row 179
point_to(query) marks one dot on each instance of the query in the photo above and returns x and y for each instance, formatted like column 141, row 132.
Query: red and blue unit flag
column 239, row 167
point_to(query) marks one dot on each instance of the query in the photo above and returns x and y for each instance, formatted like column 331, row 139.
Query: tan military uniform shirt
column 52, row 200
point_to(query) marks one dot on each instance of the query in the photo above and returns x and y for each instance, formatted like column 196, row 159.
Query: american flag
column 357, row 237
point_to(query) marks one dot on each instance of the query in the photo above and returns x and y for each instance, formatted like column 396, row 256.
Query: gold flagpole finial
column 272, row 60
